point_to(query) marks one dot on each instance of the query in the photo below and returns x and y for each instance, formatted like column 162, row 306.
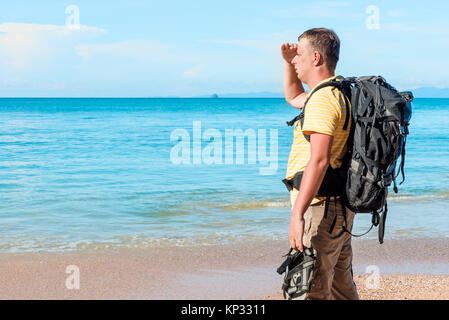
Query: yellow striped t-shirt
column 325, row 113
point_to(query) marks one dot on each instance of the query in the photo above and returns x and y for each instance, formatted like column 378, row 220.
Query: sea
column 99, row 173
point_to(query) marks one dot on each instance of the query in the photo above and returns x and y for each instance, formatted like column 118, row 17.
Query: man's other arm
column 320, row 149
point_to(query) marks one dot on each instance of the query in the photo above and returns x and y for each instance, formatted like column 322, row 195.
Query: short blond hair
column 326, row 42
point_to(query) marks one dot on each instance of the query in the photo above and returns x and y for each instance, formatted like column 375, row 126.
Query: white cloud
column 194, row 72
column 29, row 28
column 47, row 59
column 24, row 45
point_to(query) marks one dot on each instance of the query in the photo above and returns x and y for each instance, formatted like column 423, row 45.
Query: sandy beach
column 408, row 269
column 399, row 287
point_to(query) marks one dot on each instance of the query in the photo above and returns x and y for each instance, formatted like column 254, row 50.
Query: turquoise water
column 96, row 173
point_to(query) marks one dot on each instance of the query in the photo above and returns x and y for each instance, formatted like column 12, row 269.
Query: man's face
column 304, row 60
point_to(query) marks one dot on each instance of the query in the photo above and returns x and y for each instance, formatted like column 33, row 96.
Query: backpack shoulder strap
column 338, row 82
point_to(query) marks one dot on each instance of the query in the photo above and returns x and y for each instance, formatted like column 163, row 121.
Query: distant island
column 263, row 94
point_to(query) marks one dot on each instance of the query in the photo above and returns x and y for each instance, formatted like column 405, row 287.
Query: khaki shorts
column 332, row 275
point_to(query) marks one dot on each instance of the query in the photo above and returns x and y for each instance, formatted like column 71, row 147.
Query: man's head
column 318, row 53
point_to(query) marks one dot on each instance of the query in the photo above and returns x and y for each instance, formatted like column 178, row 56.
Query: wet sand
column 409, row 269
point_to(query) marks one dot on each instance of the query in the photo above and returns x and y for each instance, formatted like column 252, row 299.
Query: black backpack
column 378, row 133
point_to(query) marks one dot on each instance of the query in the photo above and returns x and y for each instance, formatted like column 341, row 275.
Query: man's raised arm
column 293, row 90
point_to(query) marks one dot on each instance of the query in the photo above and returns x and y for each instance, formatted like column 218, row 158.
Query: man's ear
column 317, row 60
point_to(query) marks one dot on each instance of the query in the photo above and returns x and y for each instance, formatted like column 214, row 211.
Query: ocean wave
column 130, row 242
column 186, row 208
column 418, row 197
column 285, row 203
column 255, row 205
column 118, row 243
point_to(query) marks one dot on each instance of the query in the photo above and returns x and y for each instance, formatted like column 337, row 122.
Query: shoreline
column 231, row 271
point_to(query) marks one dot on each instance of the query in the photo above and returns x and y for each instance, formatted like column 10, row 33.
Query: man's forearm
column 310, row 184
column 292, row 86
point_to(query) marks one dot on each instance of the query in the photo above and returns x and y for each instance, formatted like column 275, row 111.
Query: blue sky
column 188, row 48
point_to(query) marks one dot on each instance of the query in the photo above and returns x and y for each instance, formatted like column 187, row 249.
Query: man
column 313, row 61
